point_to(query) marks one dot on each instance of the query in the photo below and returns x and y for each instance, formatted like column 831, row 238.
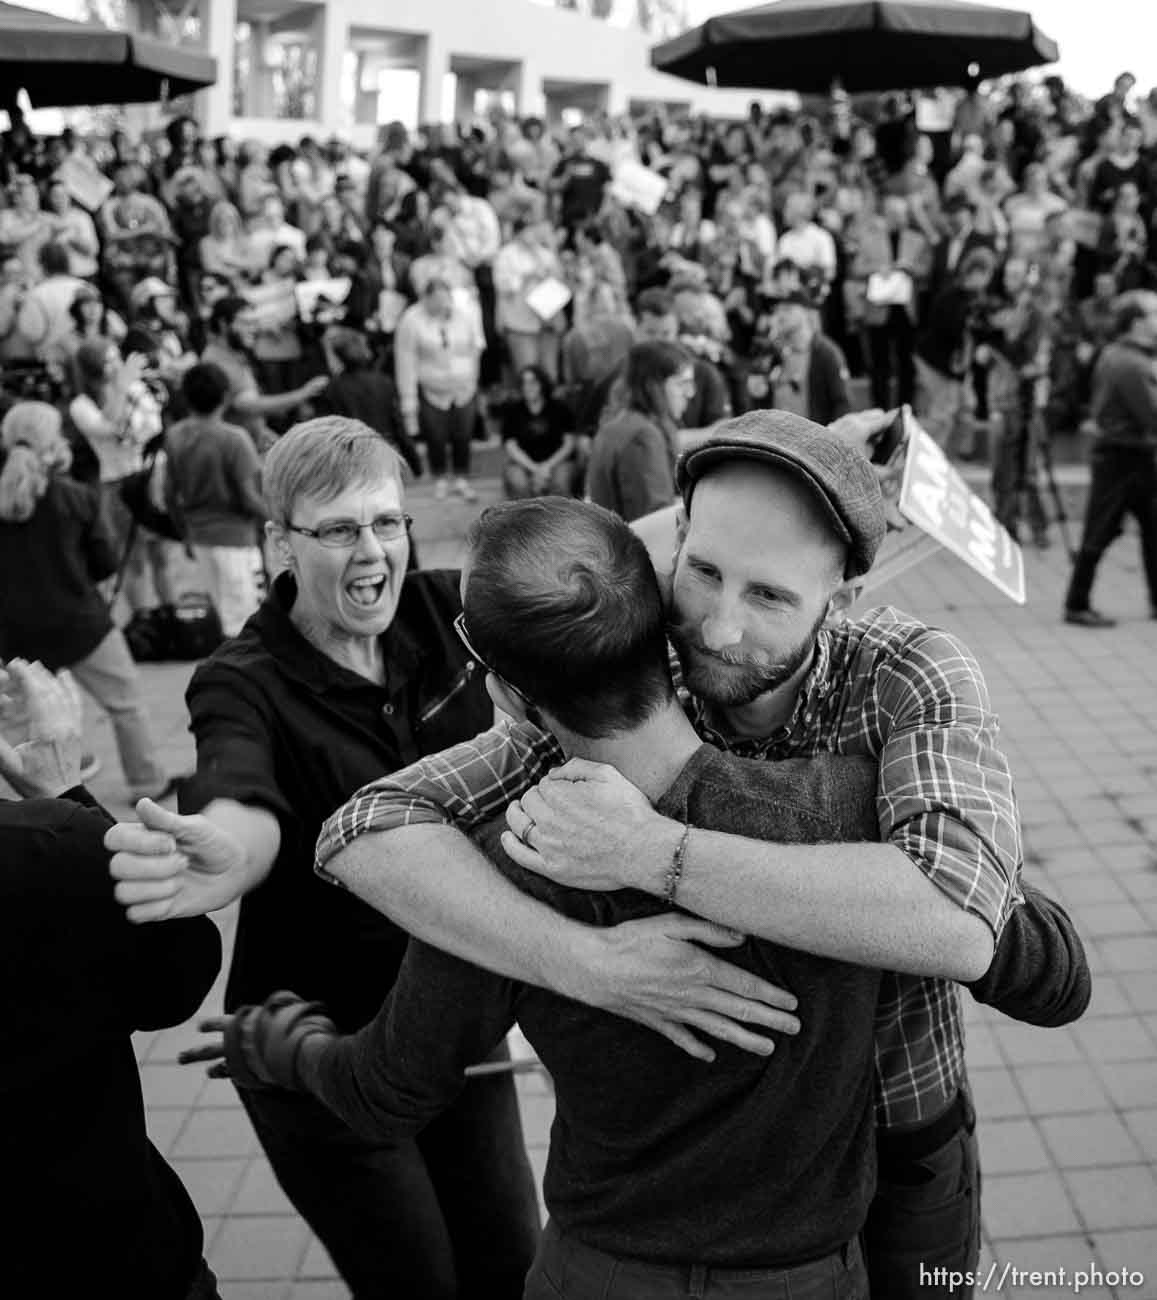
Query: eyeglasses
column 464, row 637
column 341, row 534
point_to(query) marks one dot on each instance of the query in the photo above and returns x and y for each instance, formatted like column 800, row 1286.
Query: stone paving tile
column 1134, row 1251
column 211, row 1183
column 259, row 1248
column 1012, row 1146
column 217, row 1132
column 259, row 1191
column 1120, row 1197
column 1089, row 1141
column 1046, row 1255
column 1029, row 1205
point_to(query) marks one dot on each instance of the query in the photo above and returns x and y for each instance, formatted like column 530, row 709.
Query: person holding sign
column 527, row 263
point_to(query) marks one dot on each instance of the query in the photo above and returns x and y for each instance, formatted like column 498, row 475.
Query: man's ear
column 505, row 700
column 842, row 599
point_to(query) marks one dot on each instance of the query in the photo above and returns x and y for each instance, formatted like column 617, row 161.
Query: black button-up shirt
column 281, row 726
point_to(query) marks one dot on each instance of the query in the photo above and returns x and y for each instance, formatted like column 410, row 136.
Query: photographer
column 1013, row 343
column 793, row 365
column 944, row 350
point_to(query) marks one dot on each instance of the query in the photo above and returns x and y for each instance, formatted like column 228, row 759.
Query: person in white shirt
column 474, row 236
column 437, row 353
column 523, row 264
column 75, row 229
column 803, row 242
column 44, row 322
column 271, row 230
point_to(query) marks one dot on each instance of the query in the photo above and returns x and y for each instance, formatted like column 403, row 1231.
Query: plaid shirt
column 884, row 687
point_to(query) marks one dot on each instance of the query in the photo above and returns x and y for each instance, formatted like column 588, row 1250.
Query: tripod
column 1020, row 462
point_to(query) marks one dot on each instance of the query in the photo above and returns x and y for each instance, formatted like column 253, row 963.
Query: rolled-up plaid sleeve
column 462, row 786
column 945, row 796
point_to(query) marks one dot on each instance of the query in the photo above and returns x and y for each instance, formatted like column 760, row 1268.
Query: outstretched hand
column 259, row 1046
column 170, row 865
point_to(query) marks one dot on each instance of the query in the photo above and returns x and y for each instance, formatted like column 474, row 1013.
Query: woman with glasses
column 350, row 669
column 632, row 465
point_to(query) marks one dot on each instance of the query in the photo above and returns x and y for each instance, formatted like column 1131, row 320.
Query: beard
column 734, row 680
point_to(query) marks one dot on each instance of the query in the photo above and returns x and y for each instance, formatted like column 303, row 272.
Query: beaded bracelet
column 675, row 870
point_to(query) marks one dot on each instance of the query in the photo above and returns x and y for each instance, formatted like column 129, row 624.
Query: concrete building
column 292, row 67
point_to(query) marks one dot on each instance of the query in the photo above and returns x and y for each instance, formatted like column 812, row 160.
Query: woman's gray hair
column 323, row 458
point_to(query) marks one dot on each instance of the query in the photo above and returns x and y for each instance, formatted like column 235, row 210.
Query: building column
column 433, row 68
column 215, row 105
column 333, row 37
column 529, row 100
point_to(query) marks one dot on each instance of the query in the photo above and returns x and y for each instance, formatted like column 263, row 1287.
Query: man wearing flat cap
column 781, row 520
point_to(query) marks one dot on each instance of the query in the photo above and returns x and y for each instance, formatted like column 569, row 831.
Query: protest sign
column 274, row 305
column 548, row 298
column 936, row 499
column 309, row 291
column 639, row 187
column 84, row 183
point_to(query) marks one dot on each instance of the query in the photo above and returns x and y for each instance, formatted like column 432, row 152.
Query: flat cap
column 839, row 476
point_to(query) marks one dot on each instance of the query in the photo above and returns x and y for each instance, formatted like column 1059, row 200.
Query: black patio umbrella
column 62, row 64
column 864, row 45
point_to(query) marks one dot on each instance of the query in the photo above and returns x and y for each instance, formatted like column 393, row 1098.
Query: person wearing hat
column 782, row 520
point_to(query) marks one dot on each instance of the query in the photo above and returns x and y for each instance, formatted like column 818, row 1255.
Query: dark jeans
column 452, row 428
column 1124, row 483
column 896, row 337
column 450, row 1216
column 926, row 1213
column 566, row 1268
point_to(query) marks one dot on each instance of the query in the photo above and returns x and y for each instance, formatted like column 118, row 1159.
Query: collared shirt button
column 388, row 710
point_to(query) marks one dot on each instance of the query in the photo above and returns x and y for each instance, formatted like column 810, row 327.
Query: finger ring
column 525, row 836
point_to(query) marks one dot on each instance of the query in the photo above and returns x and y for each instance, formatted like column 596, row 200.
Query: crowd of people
column 248, row 352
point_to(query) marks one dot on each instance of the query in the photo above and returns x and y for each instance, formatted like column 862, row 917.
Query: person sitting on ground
column 539, row 440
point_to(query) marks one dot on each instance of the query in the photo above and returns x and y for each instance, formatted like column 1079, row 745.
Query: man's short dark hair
column 205, row 388
column 225, row 312
column 562, row 602
column 1131, row 307
column 53, row 259
column 655, row 302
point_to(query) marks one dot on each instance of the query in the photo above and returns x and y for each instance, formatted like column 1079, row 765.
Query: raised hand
column 40, row 730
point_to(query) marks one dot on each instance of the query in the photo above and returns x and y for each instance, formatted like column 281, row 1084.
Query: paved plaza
column 1068, row 1117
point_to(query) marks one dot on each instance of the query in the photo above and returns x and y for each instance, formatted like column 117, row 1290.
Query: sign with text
column 637, row 186
column 935, row 498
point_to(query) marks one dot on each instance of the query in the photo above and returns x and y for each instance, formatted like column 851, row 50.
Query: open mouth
column 367, row 592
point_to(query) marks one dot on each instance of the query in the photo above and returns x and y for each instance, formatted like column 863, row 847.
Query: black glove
column 262, row 1043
